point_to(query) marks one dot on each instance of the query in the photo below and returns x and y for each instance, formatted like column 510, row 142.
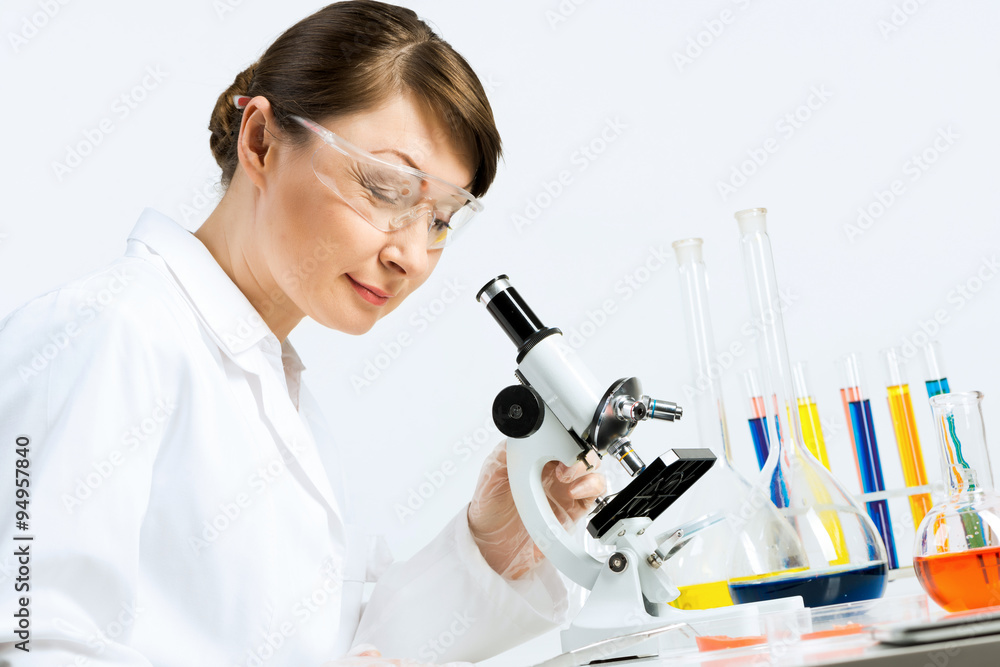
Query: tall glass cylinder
column 957, row 550
column 706, row 369
column 838, row 568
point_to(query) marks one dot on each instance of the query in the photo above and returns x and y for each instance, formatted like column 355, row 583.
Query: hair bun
column 226, row 117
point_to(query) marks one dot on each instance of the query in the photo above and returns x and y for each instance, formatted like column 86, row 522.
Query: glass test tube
column 937, row 380
column 812, row 430
column 812, row 436
column 904, row 425
column 859, row 411
column 758, row 416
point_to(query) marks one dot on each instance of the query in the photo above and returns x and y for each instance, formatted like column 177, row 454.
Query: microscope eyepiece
column 513, row 315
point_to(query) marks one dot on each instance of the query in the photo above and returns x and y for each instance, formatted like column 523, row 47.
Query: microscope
column 559, row 411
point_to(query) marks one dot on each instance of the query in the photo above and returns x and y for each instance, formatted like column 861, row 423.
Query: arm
column 75, row 382
column 482, row 586
column 446, row 603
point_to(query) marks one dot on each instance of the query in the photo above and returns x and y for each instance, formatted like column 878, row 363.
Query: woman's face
column 323, row 256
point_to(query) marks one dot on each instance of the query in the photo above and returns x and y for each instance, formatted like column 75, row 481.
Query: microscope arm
column 525, row 459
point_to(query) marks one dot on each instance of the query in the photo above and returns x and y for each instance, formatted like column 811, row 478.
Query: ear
column 255, row 145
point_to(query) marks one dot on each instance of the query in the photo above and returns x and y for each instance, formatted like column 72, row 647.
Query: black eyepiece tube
column 509, row 310
column 513, row 315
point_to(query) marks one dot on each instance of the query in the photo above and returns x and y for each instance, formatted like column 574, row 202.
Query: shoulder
column 129, row 311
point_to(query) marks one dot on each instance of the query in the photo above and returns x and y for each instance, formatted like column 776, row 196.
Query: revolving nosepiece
column 513, row 315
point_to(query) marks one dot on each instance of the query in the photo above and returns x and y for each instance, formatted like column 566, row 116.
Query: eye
column 439, row 224
column 384, row 195
column 387, row 188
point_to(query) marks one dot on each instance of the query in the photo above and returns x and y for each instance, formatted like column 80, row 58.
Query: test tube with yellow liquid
column 812, row 437
column 904, row 425
column 812, row 431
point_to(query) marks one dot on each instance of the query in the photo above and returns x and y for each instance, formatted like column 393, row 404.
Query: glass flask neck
column 706, row 369
column 962, row 437
column 963, row 481
column 767, row 307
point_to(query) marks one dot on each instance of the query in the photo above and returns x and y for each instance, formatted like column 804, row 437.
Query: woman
column 177, row 506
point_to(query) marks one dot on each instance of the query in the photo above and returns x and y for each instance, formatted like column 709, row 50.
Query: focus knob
column 518, row 411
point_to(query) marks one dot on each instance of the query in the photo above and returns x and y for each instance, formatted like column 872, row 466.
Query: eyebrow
column 406, row 158
column 400, row 154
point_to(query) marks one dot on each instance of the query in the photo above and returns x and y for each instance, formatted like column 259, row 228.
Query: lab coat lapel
column 296, row 438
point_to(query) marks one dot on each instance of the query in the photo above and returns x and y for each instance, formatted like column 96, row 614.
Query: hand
column 367, row 655
column 497, row 527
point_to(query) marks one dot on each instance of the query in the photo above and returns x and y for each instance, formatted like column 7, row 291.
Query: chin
column 354, row 326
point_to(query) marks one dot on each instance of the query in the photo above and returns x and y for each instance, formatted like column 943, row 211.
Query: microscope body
column 560, row 412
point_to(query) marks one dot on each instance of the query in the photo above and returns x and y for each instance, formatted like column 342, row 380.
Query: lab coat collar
column 230, row 317
column 237, row 327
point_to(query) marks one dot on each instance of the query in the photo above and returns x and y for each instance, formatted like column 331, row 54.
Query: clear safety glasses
column 388, row 196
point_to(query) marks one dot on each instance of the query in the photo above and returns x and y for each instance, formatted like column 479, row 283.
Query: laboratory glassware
column 812, row 430
column 957, row 550
column 814, row 500
column 937, row 380
column 758, row 416
column 812, row 435
column 699, row 567
column 904, row 425
column 858, row 410
column 937, row 383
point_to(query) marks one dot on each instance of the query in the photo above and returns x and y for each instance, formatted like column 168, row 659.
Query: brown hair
column 349, row 57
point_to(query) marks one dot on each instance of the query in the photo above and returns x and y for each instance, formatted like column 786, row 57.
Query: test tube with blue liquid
column 758, row 416
column 937, row 379
column 858, row 411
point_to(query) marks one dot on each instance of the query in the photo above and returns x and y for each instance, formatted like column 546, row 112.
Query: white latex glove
column 366, row 655
column 495, row 524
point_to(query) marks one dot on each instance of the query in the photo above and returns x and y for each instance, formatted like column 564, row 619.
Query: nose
column 405, row 250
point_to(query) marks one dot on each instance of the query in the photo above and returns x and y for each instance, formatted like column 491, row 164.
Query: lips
column 370, row 293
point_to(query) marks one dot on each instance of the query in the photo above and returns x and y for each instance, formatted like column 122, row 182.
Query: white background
column 893, row 76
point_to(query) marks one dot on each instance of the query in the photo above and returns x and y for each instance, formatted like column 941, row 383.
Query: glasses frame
column 352, row 152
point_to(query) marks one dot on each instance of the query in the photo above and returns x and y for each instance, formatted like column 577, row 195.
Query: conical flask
column 699, row 566
column 957, row 549
column 842, row 558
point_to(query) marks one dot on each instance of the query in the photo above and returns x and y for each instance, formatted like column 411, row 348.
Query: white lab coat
column 178, row 505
